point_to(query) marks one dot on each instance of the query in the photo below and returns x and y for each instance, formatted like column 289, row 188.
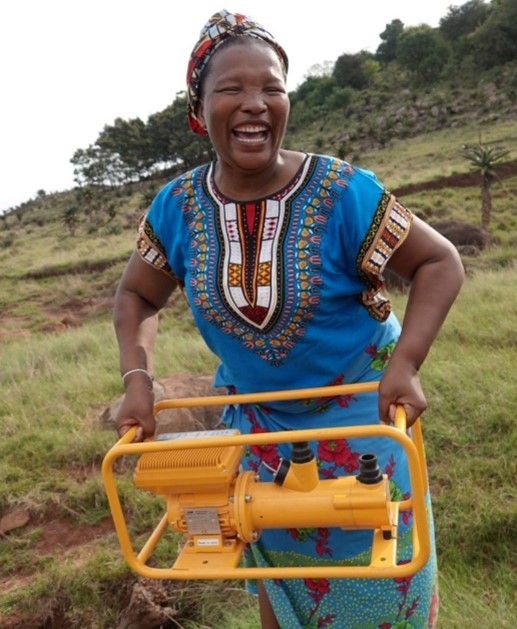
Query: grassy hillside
column 59, row 370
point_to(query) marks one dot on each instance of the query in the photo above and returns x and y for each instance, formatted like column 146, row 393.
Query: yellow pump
column 221, row 508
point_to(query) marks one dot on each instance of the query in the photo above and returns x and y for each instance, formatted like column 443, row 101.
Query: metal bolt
column 247, row 498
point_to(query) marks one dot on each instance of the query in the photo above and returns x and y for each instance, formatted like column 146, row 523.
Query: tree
column 316, row 96
column 172, row 142
column 71, row 219
column 462, row 20
column 422, row 51
column 483, row 158
column 96, row 166
column 128, row 140
column 351, row 70
column 495, row 41
column 387, row 50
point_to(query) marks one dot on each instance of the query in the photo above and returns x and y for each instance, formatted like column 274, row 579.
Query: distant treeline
column 471, row 38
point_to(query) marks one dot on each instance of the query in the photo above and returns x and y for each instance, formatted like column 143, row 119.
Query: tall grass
column 55, row 388
column 436, row 154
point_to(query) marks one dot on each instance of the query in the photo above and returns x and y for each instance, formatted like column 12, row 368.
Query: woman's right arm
column 142, row 292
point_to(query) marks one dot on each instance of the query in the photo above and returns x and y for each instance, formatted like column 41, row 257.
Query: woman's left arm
column 433, row 266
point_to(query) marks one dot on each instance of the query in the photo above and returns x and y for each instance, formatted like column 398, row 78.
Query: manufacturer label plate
column 202, row 522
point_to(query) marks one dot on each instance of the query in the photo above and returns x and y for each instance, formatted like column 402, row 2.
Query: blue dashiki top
column 285, row 290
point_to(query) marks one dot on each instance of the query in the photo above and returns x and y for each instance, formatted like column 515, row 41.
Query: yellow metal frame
column 413, row 447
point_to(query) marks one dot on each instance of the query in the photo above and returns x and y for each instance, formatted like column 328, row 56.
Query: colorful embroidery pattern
column 150, row 248
column 256, row 268
column 388, row 231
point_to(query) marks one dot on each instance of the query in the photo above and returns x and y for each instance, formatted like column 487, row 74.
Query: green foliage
column 130, row 150
column 484, row 158
column 387, row 50
column 315, row 96
column 71, row 219
column 97, row 166
column 495, row 41
column 172, row 140
column 461, row 20
column 128, row 141
column 353, row 70
column 423, row 52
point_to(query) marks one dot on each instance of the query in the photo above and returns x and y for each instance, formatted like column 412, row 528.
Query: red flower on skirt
column 267, row 453
column 338, row 451
column 319, row 586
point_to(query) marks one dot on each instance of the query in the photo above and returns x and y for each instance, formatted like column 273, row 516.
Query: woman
column 281, row 256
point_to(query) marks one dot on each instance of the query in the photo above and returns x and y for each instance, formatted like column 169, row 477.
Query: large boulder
column 464, row 234
column 180, row 385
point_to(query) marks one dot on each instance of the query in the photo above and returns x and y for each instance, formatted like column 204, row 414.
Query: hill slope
column 61, row 565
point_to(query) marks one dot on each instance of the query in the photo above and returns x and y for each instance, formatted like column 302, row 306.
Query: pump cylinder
column 343, row 502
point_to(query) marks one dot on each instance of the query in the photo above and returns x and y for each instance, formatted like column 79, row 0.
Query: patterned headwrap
column 219, row 28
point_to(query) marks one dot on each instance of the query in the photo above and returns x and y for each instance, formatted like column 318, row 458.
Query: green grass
column 56, row 387
column 434, row 155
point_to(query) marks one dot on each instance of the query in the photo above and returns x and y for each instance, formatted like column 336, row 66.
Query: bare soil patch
column 463, row 180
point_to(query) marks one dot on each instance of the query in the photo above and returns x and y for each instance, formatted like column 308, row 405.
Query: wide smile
column 251, row 134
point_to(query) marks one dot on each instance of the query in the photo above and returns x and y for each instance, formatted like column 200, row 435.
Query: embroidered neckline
column 279, row 194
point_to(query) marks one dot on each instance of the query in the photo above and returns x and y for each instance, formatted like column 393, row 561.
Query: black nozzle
column 369, row 472
column 281, row 472
column 301, row 453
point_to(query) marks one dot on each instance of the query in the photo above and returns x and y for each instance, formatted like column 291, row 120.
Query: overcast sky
column 68, row 67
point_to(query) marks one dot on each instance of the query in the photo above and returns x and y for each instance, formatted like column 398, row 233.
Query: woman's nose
column 253, row 101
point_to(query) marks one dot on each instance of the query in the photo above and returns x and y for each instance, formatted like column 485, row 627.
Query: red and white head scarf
column 220, row 27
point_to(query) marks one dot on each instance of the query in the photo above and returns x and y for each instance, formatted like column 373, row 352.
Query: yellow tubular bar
column 271, row 396
column 416, row 463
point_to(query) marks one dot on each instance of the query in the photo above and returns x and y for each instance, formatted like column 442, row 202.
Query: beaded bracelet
column 134, row 371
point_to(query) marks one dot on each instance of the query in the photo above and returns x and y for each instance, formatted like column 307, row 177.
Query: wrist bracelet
column 134, row 371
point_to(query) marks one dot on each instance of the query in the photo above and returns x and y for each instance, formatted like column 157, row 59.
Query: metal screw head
column 247, row 498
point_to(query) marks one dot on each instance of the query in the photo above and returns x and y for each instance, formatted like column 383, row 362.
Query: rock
column 461, row 234
column 15, row 519
column 468, row 250
column 181, row 419
column 150, row 607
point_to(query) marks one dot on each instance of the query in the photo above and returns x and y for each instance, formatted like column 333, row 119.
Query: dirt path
column 464, row 180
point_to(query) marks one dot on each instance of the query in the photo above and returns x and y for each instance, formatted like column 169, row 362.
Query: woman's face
column 245, row 106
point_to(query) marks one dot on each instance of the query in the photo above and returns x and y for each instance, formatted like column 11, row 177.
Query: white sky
column 68, row 67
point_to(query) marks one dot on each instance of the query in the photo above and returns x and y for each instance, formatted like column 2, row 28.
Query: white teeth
column 250, row 140
column 251, row 129
column 251, row 134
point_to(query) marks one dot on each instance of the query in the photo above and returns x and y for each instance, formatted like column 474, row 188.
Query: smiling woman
column 281, row 256
column 244, row 109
